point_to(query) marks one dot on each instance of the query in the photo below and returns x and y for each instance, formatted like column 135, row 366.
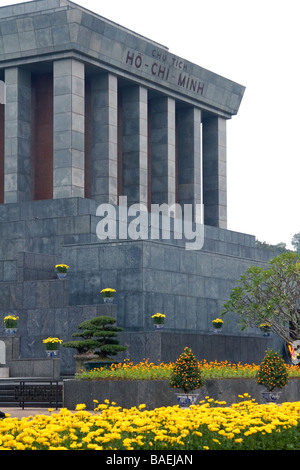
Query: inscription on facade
column 166, row 67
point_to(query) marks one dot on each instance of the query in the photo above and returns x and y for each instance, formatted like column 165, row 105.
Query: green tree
column 296, row 242
column 272, row 371
column 269, row 295
column 98, row 336
column 186, row 373
column 279, row 248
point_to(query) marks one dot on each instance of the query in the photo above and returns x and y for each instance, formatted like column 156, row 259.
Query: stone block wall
column 157, row 393
column 150, row 276
column 189, row 287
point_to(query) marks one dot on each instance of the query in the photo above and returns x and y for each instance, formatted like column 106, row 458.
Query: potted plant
column 186, row 375
column 217, row 324
column 108, row 294
column 98, row 342
column 158, row 320
column 272, row 374
column 265, row 328
column 11, row 324
column 52, row 345
column 61, row 270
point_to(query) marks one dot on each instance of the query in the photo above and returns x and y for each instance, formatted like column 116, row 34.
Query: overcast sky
column 255, row 43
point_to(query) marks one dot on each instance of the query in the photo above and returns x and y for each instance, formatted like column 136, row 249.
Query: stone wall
column 150, row 276
column 189, row 287
column 157, row 393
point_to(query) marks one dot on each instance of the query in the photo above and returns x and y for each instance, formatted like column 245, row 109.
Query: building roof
column 41, row 31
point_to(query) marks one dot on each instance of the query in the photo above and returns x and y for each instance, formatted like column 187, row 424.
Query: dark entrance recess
column 1, row 153
column 42, row 136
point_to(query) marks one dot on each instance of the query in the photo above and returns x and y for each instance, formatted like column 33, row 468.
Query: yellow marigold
column 158, row 315
column 51, row 340
column 11, row 317
column 80, row 407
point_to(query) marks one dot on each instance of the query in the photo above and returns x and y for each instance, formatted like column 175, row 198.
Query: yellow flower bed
column 206, row 426
column 146, row 370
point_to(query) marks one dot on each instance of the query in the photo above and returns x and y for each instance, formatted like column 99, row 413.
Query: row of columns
column 168, row 148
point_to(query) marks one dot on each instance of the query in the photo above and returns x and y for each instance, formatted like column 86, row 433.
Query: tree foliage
column 296, row 242
column 272, row 371
column 98, row 336
column 270, row 295
column 278, row 248
column 186, row 373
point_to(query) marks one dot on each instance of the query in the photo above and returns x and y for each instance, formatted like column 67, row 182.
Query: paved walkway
column 19, row 413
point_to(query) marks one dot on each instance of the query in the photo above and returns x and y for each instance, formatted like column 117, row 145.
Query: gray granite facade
column 127, row 118
column 150, row 276
column 148, row 155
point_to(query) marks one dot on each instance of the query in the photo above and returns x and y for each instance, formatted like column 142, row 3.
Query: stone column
column 68, row 134
column 17, row 166
column 135, row 144
column 105, row 138
column 214, row 172
column 189, row 156
column 163, row 151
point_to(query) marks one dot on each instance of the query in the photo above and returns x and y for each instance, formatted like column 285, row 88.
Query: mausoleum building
column 90, row 112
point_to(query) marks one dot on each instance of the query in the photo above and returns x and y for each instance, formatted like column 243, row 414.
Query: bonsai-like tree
column 270, row 295
column 98, row 336
column 186, row 374
column 272, row 371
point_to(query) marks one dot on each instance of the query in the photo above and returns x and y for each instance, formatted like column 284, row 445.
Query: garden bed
column 157, row 393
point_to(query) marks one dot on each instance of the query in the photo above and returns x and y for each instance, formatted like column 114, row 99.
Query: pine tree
column 98, row 336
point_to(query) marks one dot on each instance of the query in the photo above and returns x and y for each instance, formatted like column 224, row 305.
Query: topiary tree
column 99, row 336
column 186, row 374
column 272, row 371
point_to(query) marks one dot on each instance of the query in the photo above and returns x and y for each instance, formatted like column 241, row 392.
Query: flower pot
column 265, row 332
column 52, row 352
column 11, row 331
column 158, row 326
column 185, row 400
column 217, row 329
column 61, row 275
column 270, row 396
column 80, row 360
column 108, row 300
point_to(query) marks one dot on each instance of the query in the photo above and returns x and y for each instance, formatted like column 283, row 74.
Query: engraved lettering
column 181, row 80
column 179, row 64
column 190, row 84
column 166, row 71
column 136, row 60
column 153, row 68
column 159, row 56
column 160, row 71
column 200, row 88
column 129, row 58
